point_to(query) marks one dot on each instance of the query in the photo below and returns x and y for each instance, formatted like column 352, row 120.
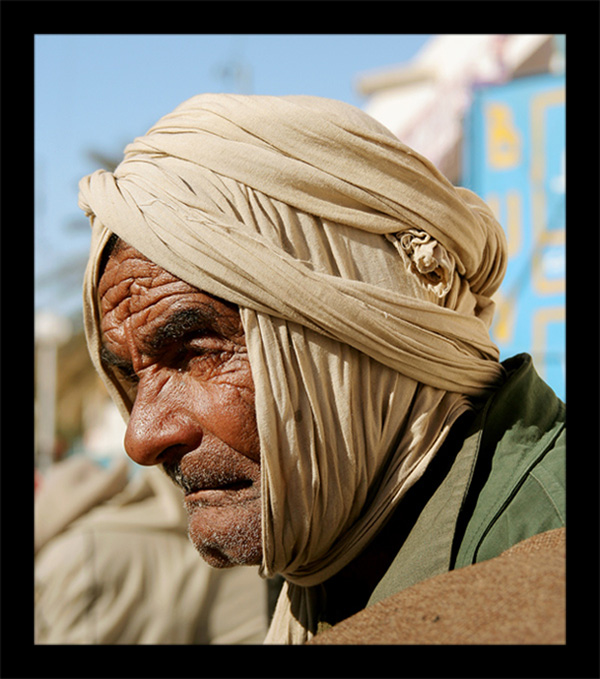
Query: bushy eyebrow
column 180, row 324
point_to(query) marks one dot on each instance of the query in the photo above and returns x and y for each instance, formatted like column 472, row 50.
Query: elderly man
column 291, row 309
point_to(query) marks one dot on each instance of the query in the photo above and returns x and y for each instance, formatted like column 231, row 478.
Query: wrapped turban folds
column 364, row 281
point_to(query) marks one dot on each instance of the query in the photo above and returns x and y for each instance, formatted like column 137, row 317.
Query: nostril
column 172, row 455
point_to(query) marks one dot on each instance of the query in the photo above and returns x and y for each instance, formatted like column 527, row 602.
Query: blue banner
column 515, row 160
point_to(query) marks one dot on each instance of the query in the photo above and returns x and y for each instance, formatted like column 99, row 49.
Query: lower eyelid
column 187, row 356
column 208, row 343
column 131, row 390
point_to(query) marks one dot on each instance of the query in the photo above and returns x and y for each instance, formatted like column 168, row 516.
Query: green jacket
column 506, row 483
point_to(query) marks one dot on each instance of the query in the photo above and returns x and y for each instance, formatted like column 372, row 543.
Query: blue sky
column 98, row 92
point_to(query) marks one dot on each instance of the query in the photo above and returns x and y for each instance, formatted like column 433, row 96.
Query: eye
column 130, row 376
column 199, row 352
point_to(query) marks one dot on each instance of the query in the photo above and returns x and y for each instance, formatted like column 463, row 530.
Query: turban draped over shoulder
column 364, row 281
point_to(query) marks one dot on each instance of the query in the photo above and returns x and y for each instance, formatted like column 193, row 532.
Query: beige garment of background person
column 364, row 281
column 121, row 569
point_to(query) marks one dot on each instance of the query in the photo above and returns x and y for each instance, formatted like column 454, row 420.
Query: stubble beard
column 226, row 531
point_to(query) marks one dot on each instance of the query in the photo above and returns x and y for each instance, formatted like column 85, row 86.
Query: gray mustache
column 173, row 471
column 205, row 478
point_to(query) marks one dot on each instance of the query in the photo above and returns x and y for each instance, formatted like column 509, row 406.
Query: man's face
column 184, row 354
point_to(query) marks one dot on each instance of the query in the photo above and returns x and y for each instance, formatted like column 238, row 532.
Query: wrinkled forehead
column 127, row 274
column 131, row 287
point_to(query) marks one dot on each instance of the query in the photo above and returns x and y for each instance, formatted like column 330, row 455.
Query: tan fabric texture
column 518, row 597
column 364, row 280
column 69, row 491
column 123, row 571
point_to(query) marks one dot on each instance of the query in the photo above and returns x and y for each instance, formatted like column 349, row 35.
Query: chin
column 227, row 537
column 216, row 558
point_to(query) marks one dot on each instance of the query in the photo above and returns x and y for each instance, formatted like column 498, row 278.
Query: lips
column 208, row 484
column 220, row 497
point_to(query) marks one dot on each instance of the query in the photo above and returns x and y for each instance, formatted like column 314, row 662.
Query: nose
column 159, row 429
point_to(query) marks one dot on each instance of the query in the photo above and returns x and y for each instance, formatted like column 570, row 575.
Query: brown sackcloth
column 516, row 598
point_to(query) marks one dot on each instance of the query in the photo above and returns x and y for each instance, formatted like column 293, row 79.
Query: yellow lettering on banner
column 504, row 140
column 504, row 321
column 539, row 106
column 544, row 236
column 543, row 318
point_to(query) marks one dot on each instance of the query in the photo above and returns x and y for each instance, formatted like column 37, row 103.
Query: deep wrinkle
column 181, row 326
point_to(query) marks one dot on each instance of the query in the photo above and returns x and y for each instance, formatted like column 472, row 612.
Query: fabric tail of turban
column 364, row 281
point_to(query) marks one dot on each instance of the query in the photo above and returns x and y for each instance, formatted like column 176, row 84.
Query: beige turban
column 363, row 279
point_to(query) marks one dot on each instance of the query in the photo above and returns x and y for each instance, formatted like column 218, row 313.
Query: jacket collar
column 523, row 412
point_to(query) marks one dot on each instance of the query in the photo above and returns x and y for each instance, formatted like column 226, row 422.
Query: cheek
column 225, row 406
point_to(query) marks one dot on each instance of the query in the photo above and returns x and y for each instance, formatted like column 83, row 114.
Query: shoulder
column 518, row 489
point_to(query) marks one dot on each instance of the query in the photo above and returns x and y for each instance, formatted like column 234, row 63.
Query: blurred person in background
column 291, row 310
column 114, row 565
